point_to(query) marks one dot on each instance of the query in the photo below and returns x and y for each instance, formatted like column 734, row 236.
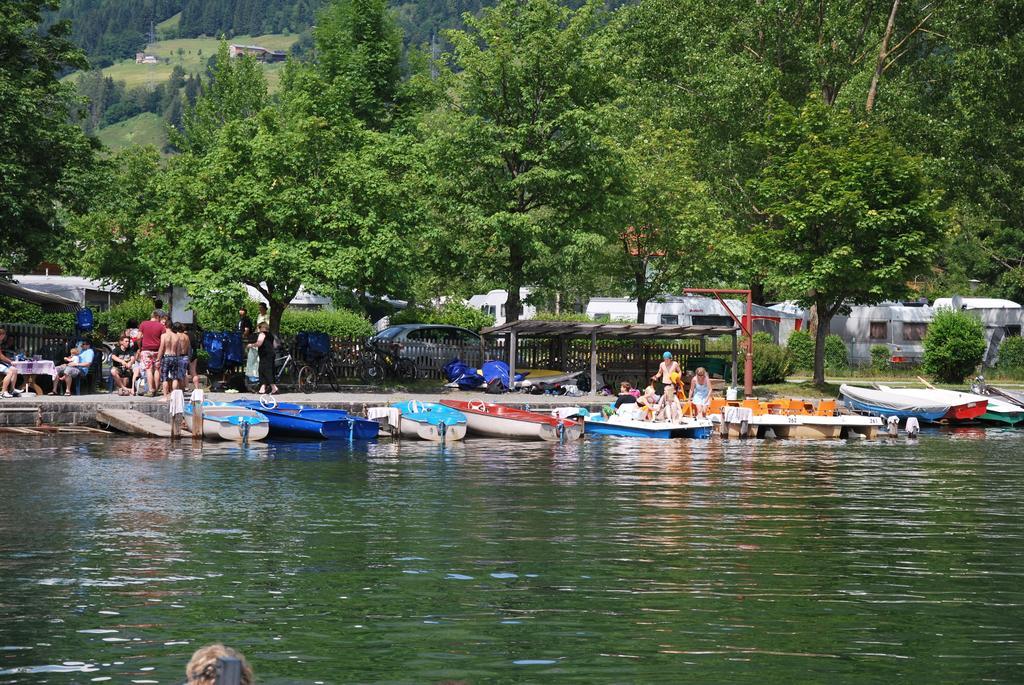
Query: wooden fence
column 32, row 339
column 633, row 361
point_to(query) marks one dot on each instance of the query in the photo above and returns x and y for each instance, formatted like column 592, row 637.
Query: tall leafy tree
column 238, row 91
column 359, row 48
column 42, row 154
column 847, row 216
column 518, row 163
column 668, row 232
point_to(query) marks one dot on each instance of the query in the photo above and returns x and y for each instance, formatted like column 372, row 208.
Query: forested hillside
column 109, row 30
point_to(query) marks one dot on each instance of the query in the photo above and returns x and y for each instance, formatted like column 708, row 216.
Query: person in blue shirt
column 78, row 367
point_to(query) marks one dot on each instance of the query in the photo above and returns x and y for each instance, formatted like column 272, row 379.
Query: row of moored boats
column 865, row 412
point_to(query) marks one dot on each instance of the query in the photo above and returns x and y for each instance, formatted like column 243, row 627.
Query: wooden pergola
column 612, row 331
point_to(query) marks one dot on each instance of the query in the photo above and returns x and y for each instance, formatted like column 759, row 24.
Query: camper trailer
column 902, row 326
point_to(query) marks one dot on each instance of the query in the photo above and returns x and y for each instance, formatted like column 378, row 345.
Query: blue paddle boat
column 231, row 422
column 296, row 420
column 430, row 421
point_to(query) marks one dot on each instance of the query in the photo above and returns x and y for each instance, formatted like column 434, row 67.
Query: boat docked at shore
column 1008, row 404
column 299, row 421
column 499, row 421
column 994, row 409
column 424, row 420
column 933, row 408
column 229, row 421
column 624, row 426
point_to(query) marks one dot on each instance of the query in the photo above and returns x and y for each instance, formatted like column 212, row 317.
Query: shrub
column 16, row 311
column 836, row 358
column 801, row 350
column 1011, row 353
column 771, row 361
column 954, row 345
column 880, row 359
column 341, row 323
column 452, row 313
column 115, row 319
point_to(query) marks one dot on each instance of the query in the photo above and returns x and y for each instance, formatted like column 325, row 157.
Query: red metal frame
column 746, row 325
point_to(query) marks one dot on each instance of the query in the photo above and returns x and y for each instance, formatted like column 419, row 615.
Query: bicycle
column 288, row 370
column 384, row 361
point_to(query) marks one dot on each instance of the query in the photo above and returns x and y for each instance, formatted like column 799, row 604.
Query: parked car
column 426, row 333
column 430, row 346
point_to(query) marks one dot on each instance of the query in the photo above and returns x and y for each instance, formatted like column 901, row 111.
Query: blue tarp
column 224, row 349
column 312, row 345
column 465, row 376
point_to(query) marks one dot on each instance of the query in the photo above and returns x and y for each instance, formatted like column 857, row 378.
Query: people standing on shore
column 152, row 330
column 10, row 383
column 667, row 367
column 182, row 348
column 244, row 327
column 264, row 346
column 263, row 316
column 122, row 365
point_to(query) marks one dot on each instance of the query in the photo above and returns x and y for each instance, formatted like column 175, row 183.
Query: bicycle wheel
column 306, row 379
column 371, row 372
column 405, row 369
column 331, row 375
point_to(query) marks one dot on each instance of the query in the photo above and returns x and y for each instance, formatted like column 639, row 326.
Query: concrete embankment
column 81, row 410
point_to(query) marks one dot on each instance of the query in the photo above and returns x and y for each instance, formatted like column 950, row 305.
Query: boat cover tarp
column 895, row 400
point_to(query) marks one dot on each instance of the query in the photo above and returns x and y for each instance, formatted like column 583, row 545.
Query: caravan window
column 880, row 330
column 711, row 320
column 1012, row 331
column 669, row 319
column 914, row 331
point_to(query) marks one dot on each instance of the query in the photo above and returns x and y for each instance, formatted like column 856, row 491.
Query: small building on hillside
column 257, row 52
column 143, row 58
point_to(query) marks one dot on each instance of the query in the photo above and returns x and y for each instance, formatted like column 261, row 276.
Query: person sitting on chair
column 77, row 366
column 7, row 369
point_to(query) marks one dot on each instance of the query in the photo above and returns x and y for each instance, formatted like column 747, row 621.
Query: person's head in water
column 202, row 667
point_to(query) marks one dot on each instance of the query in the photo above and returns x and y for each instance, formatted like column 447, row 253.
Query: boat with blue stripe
column 299, row 421
column 596, row 424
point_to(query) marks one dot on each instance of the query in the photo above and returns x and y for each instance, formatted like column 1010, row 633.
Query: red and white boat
column 499, row 421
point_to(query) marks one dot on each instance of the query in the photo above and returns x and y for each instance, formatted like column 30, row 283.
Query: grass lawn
column 169, row 25
column 143, row 129
column 804, row 390
column 193, row 57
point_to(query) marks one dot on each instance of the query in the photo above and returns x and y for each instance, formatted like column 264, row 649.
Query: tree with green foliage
column 111, row 236
column 237, row 91
column 847, row 217
column 42, row 153
column 954, row 345
column 359, row 50
column 1011, row 353
column 670, row 231
column 453, row 312
column 517, row 162
column 284, row 199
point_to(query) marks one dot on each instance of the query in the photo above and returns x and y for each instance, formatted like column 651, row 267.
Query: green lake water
column 604, row 561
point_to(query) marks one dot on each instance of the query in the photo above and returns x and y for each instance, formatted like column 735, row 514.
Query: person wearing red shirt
column 151, row 331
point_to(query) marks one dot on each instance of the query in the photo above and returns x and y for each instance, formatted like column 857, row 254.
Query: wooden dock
column 133, row 423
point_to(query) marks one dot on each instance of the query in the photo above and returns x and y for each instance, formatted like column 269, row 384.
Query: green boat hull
column 1005, row 419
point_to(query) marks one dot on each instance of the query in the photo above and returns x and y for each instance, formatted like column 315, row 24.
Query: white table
column 30, row 368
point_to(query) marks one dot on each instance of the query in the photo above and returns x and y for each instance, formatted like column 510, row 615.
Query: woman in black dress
column 264, row 346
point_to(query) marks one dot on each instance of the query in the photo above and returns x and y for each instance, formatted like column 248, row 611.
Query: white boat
column 741, row 422
column 995, row 409
column 499, row 421
column 625, row 426
column 890, row 402
column 424, row 420
column 232, row 422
